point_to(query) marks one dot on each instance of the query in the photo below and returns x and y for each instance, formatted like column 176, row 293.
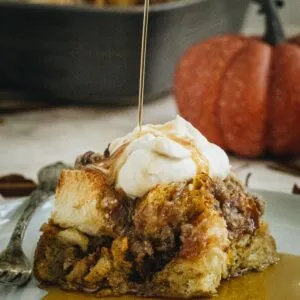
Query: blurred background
column 90, row 52
column 69, row 74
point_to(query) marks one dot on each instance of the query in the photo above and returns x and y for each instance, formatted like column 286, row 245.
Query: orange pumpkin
column 243, row 93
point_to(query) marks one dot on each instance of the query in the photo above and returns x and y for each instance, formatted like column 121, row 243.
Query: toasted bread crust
column 86, row 202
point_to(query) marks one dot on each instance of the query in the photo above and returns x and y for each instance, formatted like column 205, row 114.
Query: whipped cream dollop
column 171, row 152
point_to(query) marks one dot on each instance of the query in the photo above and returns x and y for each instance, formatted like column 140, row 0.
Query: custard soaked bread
column 177, row 235
column 179, row 240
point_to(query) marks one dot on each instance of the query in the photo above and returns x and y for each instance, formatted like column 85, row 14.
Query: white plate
column 282, row 214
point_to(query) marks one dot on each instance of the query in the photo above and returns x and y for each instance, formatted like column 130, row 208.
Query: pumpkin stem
column 274, row 32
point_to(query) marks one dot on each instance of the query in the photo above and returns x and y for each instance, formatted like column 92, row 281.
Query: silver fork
column 15, row 268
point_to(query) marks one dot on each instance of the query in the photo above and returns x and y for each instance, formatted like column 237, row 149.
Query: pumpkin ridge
column 269, row 123
column 220, row 88
column 243, row 100
column 195, row 87
column 285, row 93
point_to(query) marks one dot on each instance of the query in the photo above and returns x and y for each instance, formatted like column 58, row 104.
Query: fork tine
column 6, row 283
column 18, row 277
column 2, row 274
column 23, row 279
column 9, row 277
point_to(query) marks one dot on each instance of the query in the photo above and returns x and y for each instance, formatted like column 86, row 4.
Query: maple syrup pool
column 280, row 281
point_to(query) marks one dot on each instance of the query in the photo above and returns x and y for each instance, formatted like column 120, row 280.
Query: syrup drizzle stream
column 143, row 63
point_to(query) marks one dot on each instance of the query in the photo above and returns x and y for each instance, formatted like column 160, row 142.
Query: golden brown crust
column 180, row 240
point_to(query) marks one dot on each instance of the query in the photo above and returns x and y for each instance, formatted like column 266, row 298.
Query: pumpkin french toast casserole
column 158, row 214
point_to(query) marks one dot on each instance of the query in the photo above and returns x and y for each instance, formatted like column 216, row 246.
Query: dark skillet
column 87, row 54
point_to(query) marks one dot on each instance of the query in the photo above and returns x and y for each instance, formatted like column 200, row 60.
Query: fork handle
column 37, row 197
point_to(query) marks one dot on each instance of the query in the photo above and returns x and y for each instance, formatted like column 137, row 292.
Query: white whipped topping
column 166, row 153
